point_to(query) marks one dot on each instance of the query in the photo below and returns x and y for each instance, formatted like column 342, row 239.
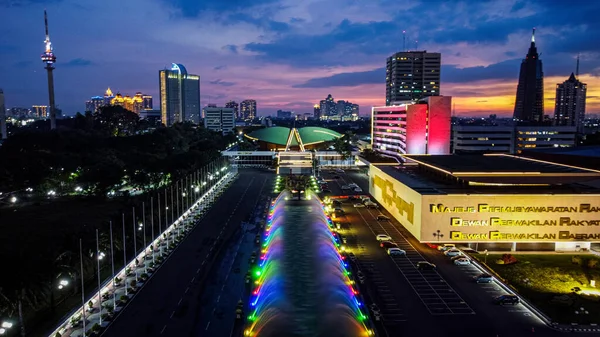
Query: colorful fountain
column 301, row 284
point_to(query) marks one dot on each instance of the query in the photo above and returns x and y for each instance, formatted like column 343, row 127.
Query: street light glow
column 13, row 199
column 7, row 325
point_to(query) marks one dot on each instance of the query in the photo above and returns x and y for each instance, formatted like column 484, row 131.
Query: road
column 171, row 302
column 445, row 302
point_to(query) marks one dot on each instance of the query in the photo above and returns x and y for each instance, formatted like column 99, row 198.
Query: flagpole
column 99, row 288
column 124, row 255
column 112, row 258
column 82, row 285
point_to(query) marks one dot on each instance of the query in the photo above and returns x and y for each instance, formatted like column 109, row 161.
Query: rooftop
column 280, row 135
column 497, row 174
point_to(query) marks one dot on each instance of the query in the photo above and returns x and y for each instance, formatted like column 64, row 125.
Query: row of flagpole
column 197, row 183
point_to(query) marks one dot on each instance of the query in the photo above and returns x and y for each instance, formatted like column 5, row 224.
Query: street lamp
column 438, row 235
column 62, row 284
column 5, row 326
column 13, row 199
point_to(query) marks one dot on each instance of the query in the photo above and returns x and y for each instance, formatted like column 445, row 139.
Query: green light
column 257, row 273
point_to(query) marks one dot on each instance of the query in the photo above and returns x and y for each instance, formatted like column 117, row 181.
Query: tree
column 342, row 146
column 115, row 120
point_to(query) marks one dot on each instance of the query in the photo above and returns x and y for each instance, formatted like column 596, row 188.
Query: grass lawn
column 547, row 280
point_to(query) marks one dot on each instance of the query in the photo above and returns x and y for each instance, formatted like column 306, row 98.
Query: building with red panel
column 421, row 127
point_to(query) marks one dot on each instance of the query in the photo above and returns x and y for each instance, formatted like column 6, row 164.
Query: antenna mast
column 577, row 68
column 403, row 40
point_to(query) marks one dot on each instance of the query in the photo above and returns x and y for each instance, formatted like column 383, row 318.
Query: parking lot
column 411, row 299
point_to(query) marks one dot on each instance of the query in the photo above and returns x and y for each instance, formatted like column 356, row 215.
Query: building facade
column 569, row 106
column 468, row 139
column 179, row 95
column 422, row 127
column 463, row 203
column 412, row 75
column 219, row 119
column 39, row 111
column 236, row 108
column 317, row 111
column 248, row 109
column 529, row 102
column 284, row 114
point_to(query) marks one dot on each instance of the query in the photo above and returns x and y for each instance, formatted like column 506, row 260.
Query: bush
column 96, row 327
column 117, row 280
column 576, row 260
column 144, row 276
column 133, row 283
column 592, row 263
column 57, row 334
column 124, row 298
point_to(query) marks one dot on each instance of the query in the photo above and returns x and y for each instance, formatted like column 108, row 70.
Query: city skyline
column 269, row 55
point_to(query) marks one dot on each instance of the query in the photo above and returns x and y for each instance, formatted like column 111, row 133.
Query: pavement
column 445, row 302
column 173, row 302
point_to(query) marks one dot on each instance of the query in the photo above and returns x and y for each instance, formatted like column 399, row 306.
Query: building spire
column 577, row 68
column 403, row 40
column 533, row 35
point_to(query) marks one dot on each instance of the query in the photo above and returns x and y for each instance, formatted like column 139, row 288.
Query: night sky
column 289, row 54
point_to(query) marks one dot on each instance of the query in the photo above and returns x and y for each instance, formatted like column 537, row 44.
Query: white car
column 357, row 189
column 452, row 252
column 358, row 205
column 463, row 261
column 353, row 185
column 396, row 251
column 383, row 237
column 339, row 170
column 370, row 204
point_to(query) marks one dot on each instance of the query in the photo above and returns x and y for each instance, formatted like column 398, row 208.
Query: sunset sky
column 289, row 54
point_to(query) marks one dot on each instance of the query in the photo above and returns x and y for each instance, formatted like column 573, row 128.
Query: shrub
column 96, row 327
column 124, row 298
column 117, row 280
column 57, row 334
column 144, row 276
column 133, row 283
column 91, row 304
column 576, row 260
column 592, row 263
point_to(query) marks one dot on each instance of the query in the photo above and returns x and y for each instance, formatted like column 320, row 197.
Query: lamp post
column 98, row 258
column 167, row 219
column 438, row 235
column 134, row 234
column 159, row 227
column 124, row 256
column 144, row 233
column 82, row 286
column 112, row 258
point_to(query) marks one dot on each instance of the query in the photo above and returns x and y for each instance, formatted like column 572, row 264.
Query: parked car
column 396, row 251
column 346, row 187
column 452, row 252
column 454, row 258
column 446, row 246
column 387, row 244
column 357, row 189
column 507, row 299
column 383, row 237
column 370, row 204
column 382, row 217
column 424, row 265
column 357, row 205
column 483, row 278
column 339, row 170
column 463, row 261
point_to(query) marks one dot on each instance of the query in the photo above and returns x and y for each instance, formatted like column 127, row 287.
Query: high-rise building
column 147, row 102
column 412, row 75
column 569, row 107
column 179, row 95
column 39, row 111
column 49, row 58
column 421, row 127
column 94, row 104
column 219, row 119
column 108, row 96
column 2, row 116
column 235, row 106
column 317, row 111
column 248, row 109
column 355, row 109
column 328, row 107
column 529, row 103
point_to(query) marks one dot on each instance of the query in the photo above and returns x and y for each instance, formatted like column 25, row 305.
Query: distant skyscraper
column 284, row 114
column 317, row 111
column 248, row 109
column 147, row 102
column 328, row 107
column 219, row 119
column 108, row 96
column 529, row 103
column 412, row 75
column 235, row 107
column 48, row 58
column 569, row 108
column 39, row 111
column 179, row 95
column 2, row 116
column 94, row 104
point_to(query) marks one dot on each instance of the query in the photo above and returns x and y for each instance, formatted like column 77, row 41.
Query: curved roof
column 180, row 67
column 279, row 135
column 313, row 135
column 276, row 135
